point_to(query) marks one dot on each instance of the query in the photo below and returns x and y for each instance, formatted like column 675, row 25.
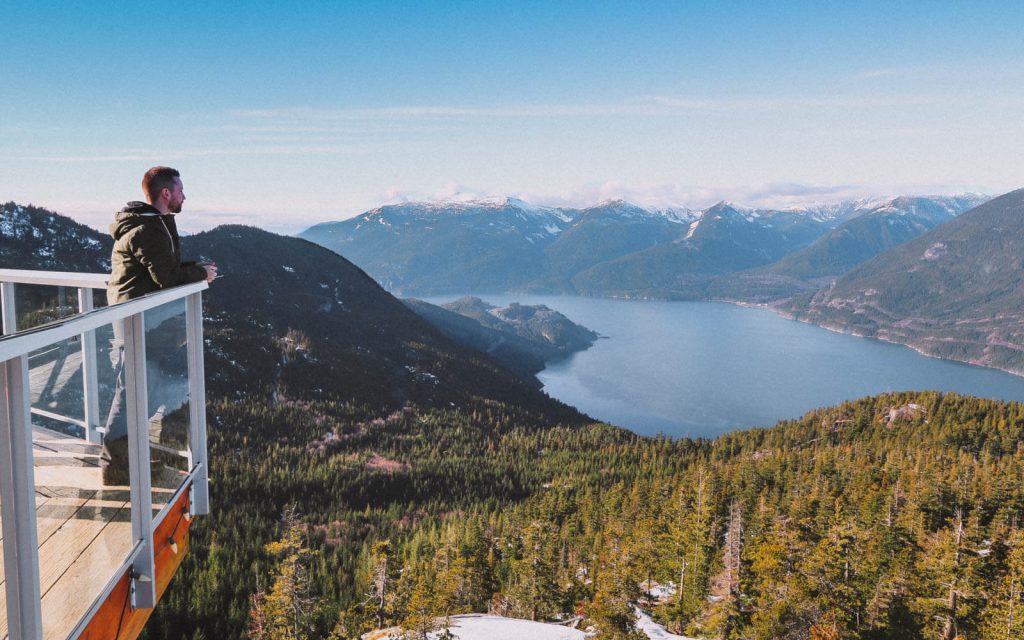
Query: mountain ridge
column 503, row 244
column 955, row 292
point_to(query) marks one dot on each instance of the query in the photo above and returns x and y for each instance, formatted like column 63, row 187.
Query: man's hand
column 211, row 271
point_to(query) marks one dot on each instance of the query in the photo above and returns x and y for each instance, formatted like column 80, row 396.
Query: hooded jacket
column 147, row 254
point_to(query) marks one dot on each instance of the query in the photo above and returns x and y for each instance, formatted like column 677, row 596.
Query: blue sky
column 284, row 116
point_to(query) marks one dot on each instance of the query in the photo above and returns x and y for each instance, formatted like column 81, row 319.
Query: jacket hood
column 132, row 215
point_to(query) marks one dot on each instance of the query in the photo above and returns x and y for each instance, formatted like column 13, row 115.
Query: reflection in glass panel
column 168, row 387
column 41, row 304
column 55, row 382
column 83, row 526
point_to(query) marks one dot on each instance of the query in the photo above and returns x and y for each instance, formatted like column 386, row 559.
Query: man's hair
column 158, row 179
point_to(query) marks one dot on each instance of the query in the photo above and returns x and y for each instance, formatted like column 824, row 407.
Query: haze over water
column 702, row 368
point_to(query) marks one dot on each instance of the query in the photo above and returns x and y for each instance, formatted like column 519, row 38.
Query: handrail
column 55, row 278
column 23, row 342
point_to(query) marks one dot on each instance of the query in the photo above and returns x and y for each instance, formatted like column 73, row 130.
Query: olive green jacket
column 147, row 254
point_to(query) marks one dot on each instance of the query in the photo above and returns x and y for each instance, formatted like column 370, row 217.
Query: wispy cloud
column 927, row 71
column 699, row 197
column 669, row 196
column 303, row 117
column 186, row 154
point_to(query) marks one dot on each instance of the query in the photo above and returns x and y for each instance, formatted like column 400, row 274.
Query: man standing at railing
column 147, row 250
column 146, row 258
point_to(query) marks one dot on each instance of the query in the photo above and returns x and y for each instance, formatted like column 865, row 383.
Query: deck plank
column 83, row 529
column 63, row 603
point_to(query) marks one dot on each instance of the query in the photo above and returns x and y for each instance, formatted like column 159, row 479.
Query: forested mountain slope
column 31, row 236
column 521, row 337
column 325, row 329
column 955, row 292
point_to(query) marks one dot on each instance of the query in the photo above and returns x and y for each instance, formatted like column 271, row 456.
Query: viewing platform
column 92, row 535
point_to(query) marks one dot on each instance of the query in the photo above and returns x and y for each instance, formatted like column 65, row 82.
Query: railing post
column 90, row 387
column 144, row 571
column 7, row 306
column 197, row 403
column 17, row 503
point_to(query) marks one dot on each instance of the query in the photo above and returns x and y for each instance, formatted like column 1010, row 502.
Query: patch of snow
column 492, row 627
column 676, row 215
column 652, row 629
column 662, row 590
column 693, row 227
column 552, row 229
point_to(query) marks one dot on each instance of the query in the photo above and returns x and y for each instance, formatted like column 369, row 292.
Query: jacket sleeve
column 152, row 248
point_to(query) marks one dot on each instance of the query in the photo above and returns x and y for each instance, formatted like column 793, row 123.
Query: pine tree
column 421, row 606
column 1005, row 617
column 615, row 590
column 533, row 591
column 378, row 576
column 288, row 610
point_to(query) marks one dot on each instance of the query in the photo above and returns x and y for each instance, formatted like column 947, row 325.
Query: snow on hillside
column 652, row 629
column 479, row 626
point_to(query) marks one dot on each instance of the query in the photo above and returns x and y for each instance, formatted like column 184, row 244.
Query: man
column 146, row 258
column 147, row 250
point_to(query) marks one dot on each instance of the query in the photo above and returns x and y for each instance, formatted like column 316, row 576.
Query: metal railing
column 17, row 480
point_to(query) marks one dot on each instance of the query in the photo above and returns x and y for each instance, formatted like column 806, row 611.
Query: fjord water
column 702, row 368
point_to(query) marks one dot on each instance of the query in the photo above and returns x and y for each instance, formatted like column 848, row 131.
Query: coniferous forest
column 888, row 517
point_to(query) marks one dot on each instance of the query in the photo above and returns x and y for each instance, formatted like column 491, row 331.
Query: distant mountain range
column 942, row 274
column 619, row 249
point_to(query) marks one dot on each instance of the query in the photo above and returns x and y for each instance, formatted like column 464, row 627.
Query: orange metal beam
column 115, row 619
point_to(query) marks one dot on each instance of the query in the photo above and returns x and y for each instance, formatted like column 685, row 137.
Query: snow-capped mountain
column 481, row 246
column 612, row 248
column 873, row 227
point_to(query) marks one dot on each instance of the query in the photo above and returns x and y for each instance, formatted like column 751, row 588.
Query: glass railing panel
column 83, row 522
column 168, row 387
column 42, row 304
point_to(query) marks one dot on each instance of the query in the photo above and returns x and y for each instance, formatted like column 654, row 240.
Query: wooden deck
column 84, row 530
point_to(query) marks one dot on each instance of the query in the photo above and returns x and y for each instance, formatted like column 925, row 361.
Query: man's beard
column 175, row 208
